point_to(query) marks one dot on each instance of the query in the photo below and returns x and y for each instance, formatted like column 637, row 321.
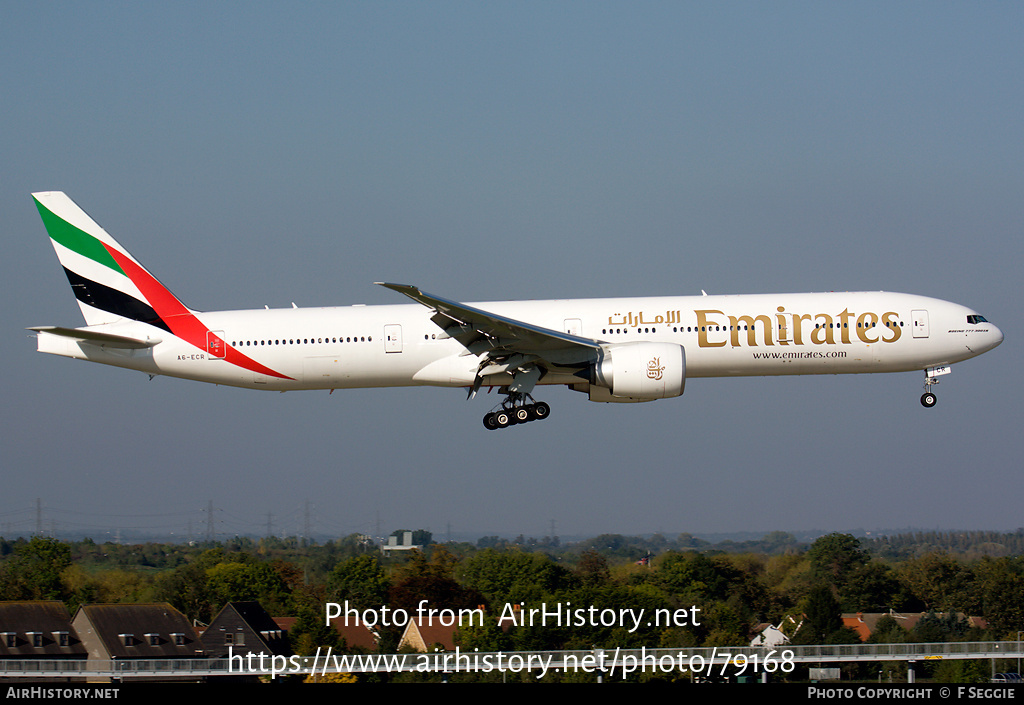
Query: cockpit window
column 974, row 318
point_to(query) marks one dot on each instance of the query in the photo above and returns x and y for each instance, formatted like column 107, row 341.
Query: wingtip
column 398, row 287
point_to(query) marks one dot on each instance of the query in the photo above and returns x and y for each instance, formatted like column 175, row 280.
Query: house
column 125, row 632
column 38, row 630
column 422, row 633
column 243, row 628
column 355, row 634
column 865, row 623
column 857, row 622
column 771, row 636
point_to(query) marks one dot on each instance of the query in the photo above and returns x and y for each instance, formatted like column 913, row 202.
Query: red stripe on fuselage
column 179, row 319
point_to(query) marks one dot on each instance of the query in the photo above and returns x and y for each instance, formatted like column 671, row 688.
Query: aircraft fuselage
column 724, row 336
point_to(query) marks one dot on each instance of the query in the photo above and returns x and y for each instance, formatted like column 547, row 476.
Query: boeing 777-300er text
column 614, row 350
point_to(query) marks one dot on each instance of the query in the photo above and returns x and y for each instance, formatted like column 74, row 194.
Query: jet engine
column 641, row 371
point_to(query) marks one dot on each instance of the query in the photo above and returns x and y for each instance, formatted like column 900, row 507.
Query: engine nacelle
column 641, row 371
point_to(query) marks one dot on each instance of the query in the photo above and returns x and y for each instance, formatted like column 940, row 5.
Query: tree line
column 803, row 587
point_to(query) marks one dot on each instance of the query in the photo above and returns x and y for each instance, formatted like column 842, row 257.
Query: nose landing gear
column 931, row 375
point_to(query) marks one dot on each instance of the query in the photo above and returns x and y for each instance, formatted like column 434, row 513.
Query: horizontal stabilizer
column 97, row 338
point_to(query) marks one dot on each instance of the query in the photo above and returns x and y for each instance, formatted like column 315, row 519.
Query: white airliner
column 614, row 350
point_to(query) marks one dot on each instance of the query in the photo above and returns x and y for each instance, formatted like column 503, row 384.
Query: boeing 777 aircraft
column 614, row 350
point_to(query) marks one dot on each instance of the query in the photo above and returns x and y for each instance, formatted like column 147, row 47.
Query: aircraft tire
column 928, row 400
column 489, row 423
column 502, row 419
column 541, row 410
column 522, row 415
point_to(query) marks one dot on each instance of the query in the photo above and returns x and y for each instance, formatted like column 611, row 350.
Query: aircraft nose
column 995, row 337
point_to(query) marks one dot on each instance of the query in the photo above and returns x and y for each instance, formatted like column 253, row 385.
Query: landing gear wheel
column 515, row 410
column 928, row 400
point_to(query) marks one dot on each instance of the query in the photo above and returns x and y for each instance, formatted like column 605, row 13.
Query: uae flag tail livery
column 109, row 283
column 116, row 294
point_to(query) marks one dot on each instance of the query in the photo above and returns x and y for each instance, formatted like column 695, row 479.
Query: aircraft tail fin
column 109, row 283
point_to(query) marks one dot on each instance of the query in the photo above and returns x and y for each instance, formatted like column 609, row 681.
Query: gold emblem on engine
column 655, row 368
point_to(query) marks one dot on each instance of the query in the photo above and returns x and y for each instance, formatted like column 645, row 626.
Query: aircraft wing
column 482, row 331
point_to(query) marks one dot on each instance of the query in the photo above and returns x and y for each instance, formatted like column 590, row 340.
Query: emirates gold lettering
column 783, row 328
column 749, row 326
column 798, row 334
column 704, row 326
column 891, row 321
column 823, row 330
column 844, row 326
column 828, row 329
column 865, row 322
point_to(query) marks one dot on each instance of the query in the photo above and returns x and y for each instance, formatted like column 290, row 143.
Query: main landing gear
column 514, row 410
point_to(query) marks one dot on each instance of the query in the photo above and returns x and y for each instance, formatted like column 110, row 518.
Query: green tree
column 34, row 573
column 185, row 588
column 361, row 581
column 485, row 636
column 696, row 578
column 592, row 568
column 310, row 630
column 939, row 581
column 1003, row 597
column 821, row 616
column 835, row 558
column 121, row 586
column 888, row 630
column 872, row 587
column 513, row 576
column 726, row 626
column 432, row 581
column 961, row 671
column 934, row 628
column 189, row 587
column 240, row 582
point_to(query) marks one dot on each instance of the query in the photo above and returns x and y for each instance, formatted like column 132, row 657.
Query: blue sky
column 265, row 153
